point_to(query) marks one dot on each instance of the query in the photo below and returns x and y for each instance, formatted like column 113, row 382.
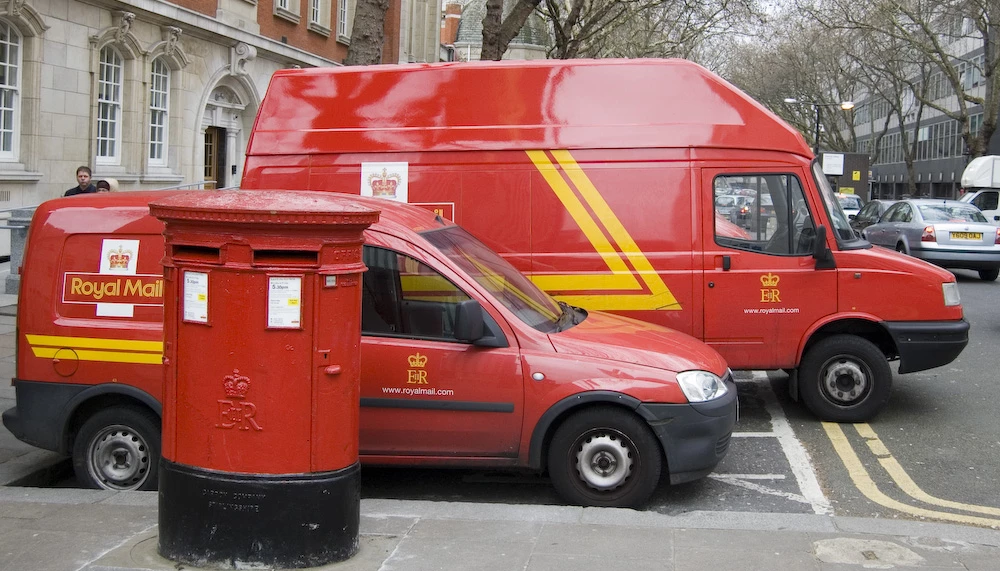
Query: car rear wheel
column 605, row 456
column 989, row 275
column 844, row 378
column 901, row 248
column 118, row 449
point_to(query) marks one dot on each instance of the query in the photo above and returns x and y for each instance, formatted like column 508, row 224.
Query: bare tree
column 500, row 30
column 367, row 33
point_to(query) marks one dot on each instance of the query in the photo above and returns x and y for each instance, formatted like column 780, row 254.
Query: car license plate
column 966, row 235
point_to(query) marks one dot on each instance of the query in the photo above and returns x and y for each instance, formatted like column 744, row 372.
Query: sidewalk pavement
column 63, row 529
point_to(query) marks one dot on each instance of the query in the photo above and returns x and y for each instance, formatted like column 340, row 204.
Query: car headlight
column 951, row 297
column 701, row 386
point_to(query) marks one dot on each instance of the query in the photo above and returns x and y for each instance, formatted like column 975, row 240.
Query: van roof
column 507, row 105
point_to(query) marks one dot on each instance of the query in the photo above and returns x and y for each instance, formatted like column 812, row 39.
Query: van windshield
column 841, row 226
column 509, row 286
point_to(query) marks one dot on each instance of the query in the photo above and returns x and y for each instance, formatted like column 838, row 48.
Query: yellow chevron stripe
column 620, row 277
column 94, row 343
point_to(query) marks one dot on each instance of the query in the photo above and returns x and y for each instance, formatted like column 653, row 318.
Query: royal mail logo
column 416, row 374
column 119, row 259
column 141, row 289
column 385, row 180
column 235, row 411
column 769, row 292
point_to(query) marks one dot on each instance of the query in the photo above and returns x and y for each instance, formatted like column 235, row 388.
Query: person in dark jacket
column 84, row 185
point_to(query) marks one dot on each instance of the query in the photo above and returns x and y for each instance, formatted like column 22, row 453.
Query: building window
column 314, row 12
column 283, row 4
column 342, row 18
column 109, row 107
column 159, row 99
column 319, row 17
column 10, row 66
column 287, row 10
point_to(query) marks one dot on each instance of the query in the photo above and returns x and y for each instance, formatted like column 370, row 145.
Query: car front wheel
column 844, row 378
column 605, row 456
column 118, row 449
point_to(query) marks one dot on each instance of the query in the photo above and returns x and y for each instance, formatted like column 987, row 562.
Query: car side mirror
column 822, row 254
column 469, row 321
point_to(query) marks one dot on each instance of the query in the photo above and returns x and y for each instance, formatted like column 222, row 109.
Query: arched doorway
column 223, row 132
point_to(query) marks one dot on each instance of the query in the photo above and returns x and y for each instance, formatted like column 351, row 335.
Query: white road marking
column 760, row 489
column 798, row 457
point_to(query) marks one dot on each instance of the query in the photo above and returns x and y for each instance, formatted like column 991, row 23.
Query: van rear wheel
column 605, row 456
column 118, row 449
column 845, row 378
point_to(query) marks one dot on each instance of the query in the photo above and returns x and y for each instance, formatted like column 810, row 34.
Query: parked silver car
column 948, row 233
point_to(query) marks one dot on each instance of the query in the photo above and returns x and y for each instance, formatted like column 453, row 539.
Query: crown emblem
column 384, row 184
column 236, row 385
column 769, row 280
column 118, row 259
column 417, row 360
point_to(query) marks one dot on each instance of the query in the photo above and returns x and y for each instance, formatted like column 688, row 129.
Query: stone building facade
column 161, row 94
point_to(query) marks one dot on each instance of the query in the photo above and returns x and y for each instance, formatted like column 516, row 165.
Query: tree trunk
column 498, row 31
column 367, row 35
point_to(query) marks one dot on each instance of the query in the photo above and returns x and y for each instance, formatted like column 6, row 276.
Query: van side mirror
column 469, row 321
column 822, row 254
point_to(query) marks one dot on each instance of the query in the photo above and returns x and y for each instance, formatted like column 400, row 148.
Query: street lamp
column 845, row 105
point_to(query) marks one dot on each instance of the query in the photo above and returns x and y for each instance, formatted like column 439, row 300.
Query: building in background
column 161, row 94
column 941, row 154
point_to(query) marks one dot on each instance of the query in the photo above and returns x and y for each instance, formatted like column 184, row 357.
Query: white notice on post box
column 196, row 297
column 284, row 302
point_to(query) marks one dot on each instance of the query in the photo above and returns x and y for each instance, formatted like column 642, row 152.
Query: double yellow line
column 863, row 481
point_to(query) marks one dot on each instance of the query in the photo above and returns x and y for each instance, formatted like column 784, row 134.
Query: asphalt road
column 933, row 454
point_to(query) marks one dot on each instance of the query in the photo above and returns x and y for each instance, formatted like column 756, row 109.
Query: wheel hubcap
column 604, row 461
column 119, row 459
column 845, row 381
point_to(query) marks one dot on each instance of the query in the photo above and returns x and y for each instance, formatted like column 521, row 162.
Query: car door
column 423, row 392
column 762, row 290
column 987, row 201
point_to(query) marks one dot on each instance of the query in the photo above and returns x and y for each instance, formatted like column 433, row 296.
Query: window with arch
column 109, row 106
column 159, row 102
column 10, row 82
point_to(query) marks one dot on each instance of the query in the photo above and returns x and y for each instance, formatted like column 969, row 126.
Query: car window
column 893, row 214
column 950, row 213
column 773, row 219
column 850, row 202
column 869, row 212
column 404, row 297
column 986, row 200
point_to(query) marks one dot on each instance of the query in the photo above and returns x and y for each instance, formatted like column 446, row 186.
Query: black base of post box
column 221, row 520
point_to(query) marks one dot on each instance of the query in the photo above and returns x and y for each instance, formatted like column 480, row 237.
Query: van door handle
column 332, row 370
column 726, row 263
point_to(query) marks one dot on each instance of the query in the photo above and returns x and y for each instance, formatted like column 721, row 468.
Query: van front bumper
column 694, row 436
column 927, row 344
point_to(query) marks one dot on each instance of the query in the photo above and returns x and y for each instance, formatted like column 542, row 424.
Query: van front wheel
column 606, row 457
column 118, row 449
column 844, row 378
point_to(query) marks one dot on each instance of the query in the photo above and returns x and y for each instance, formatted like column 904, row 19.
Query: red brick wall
column 390, row 49
column 449, row 31
column 298, row 35
column 207, row 7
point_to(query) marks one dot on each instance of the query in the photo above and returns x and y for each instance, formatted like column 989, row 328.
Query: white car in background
column 851, row 203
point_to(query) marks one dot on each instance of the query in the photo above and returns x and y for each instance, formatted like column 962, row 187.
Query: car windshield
column 841, row 227
column 509, row 286
column 850, row 202
column 950, row 213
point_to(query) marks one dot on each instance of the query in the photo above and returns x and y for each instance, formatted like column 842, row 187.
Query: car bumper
column 695, row 436
column 928, row 344
column 960, row 259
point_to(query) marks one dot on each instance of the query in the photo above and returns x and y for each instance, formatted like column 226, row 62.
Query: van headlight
column 701, row 386
column 951, row 297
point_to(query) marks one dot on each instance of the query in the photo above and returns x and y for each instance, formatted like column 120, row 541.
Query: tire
column 989, row 275
column 844, row 378
column 118, row 449
column 605, row 439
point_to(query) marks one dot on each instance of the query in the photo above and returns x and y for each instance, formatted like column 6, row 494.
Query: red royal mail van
column 465, row 362
column 649, row 188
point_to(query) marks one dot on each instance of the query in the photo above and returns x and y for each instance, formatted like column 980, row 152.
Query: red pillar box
column 262, row 340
